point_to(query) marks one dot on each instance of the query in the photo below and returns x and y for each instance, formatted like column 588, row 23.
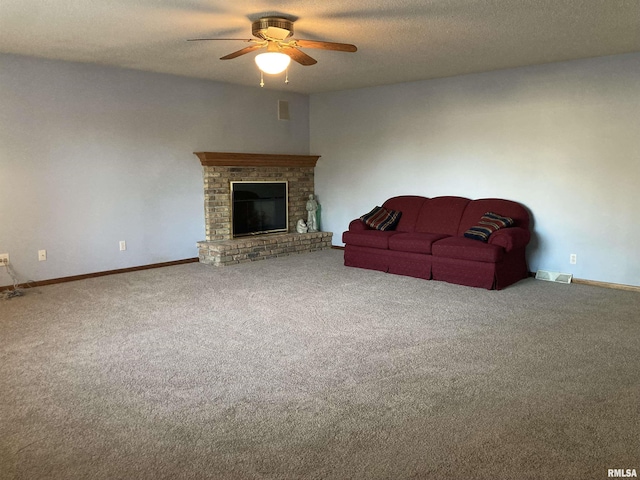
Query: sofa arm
column 510, row 238
column 358, row 225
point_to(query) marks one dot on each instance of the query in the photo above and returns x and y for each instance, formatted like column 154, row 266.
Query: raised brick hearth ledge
column 247, row 249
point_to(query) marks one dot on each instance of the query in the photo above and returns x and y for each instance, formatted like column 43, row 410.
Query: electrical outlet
column 4, row 258
column 123, row 245
column 42, row 255
column 573, row 259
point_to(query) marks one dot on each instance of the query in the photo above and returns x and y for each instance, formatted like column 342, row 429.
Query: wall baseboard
column 73, row 278
column 595, row 283
column 616, row 286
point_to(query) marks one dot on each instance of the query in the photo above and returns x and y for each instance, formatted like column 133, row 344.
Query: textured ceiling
column 398, row 40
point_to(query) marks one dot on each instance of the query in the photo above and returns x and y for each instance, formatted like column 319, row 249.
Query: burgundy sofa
column 429, row 242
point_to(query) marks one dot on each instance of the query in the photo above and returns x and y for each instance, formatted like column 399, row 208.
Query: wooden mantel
column 224, row 159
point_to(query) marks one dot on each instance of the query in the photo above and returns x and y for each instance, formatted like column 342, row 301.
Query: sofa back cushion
column 477, row 208
column 441, row 215
column 409, row 205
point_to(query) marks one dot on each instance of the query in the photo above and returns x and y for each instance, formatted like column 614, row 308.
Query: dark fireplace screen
column 259, row 207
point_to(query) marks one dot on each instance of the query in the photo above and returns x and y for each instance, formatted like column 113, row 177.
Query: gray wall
column 92, row 155
column 563, row 139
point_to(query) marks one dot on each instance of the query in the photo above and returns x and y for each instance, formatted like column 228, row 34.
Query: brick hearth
column 249, row 249
column 219, row 169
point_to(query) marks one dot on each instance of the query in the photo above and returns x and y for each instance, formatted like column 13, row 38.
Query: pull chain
column 286, row 78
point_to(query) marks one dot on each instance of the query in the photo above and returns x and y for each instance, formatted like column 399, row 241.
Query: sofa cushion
column 368, row 238
column 441, row 215
column 490, row 222
column 410, row 206
column 382, row 219
column 467, row 249
column 414, row 242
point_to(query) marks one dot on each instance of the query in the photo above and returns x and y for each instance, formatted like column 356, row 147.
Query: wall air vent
column 554, row 276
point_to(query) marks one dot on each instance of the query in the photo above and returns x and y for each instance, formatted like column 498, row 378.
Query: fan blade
column 207, row 39
column 248, row 49
column 340, row 47
column 299, row 56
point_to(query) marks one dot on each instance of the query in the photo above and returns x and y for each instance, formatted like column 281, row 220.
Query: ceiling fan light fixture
column 273, row 62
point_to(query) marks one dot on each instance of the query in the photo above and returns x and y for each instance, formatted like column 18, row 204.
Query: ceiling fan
column 275, row 33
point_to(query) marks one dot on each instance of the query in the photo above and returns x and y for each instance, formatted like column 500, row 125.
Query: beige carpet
column 301, row 368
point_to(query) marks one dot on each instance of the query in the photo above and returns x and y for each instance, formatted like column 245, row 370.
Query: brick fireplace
column 219, row 169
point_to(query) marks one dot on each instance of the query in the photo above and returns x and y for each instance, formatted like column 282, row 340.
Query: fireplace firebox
column 259, row 207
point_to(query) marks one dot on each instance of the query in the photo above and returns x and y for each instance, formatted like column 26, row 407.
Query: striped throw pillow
column 489, row 223
column 382, row 219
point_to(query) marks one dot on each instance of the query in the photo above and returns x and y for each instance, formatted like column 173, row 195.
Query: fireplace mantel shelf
column 224, row 159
